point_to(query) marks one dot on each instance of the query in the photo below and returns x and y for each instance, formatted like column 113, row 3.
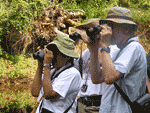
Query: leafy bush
column 99, row 8
column 19, row 14
column 92, row 8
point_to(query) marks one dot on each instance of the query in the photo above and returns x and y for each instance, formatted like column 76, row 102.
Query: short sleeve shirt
column 132, row 63
column 92, row 89
column 67, row 85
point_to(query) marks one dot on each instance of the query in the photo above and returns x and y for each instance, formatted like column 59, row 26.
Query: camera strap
column 81, row 62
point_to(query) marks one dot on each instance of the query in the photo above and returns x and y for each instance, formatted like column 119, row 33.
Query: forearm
column 109, row 71
column 96, row 72
column 47, row 84
column 49, row 93
column 37, row 82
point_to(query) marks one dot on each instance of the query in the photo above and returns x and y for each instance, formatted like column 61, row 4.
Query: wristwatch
column 107, row 49
column 48, row 65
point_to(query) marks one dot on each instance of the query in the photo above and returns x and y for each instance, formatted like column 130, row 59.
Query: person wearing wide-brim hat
column 60, row 84
column 90, row 99
column 128, row 70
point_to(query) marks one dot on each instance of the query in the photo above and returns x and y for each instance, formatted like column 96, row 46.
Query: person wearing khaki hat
column 59, row 86
column 128, row 70
column 90, row 97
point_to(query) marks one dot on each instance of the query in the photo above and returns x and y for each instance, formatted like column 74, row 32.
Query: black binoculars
column 90, row 32
column 75, row 36
column 39, row 55
column 93, row 32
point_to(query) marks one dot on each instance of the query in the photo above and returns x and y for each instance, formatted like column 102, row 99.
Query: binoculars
column 39, row 55
column 90, row 32
column 93, row 32
column 75, row 36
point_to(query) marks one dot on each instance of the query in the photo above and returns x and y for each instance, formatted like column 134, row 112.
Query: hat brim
column 91, row 23
column 120, row 21
column 85, row 26
column 66, row 51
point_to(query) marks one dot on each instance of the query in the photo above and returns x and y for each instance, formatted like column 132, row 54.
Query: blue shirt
column 132, row 63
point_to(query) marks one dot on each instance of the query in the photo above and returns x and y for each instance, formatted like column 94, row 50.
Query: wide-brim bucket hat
column 119, row 15
column 64, row 44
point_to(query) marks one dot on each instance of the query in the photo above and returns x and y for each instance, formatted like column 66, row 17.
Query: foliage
column 15, row 101
column 19, row 14
column 16, row 67
column 92, row 8
column 99, row 8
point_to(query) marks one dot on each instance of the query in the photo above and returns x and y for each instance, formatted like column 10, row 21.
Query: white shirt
column 93, row 89
column 132, row 62
column 67, row 85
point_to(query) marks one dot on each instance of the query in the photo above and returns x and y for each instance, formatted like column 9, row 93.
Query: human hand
column 105, row 35
column 48, row 56
column 83, row 35
column 87, row 39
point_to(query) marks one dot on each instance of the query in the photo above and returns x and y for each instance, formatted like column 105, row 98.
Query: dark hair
column 71, row 60
column 55, row 51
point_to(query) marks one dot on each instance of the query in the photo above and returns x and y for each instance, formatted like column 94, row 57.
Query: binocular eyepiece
column 75, row 36
column 93, row 32
column 39, row 55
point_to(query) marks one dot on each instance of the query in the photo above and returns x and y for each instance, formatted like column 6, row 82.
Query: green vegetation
column 16, row 67
column 14, row 102
column 99, row 8
column 19, row 14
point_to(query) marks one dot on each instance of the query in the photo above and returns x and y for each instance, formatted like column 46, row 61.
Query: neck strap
column 57, row 72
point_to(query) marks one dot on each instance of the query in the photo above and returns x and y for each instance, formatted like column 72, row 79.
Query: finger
column 45, row 51
column 105, row 27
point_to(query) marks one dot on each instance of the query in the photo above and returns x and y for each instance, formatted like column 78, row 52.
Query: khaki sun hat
column 119, row 15
column 64, row 45
column 90, row 24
